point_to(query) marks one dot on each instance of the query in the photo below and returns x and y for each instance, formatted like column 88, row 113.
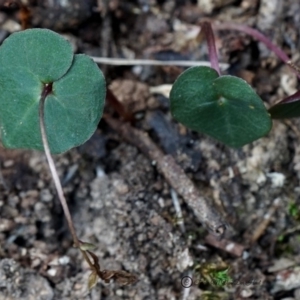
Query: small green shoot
column 280, row 238
column 221, row 278
column 214, row 274
column 294, row 210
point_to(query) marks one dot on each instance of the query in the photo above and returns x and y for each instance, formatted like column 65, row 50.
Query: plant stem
column 290, row 99
column 151, row 62
column 46, row 91
column 212, row 51
column 260, row 37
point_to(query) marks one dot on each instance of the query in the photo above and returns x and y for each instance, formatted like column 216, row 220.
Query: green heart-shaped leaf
column 42, row 52
column 72, row 110
column 223, row 107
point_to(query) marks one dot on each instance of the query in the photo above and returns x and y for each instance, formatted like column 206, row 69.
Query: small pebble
column 121, row 187
column 11, row 26
column 246, row 293
column 8, row 163
column 6, row 225
column 52, row 272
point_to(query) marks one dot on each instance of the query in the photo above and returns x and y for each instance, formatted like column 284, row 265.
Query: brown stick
column 225, row 245
column 175, row 176
column 264, row 223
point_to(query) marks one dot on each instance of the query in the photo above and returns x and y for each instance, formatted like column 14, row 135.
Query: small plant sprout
column 221, row 278
column 294, row 211
column 226, row 107
column 214, row 274
column 52, row 100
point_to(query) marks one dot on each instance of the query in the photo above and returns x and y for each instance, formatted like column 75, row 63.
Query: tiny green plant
column 214, row 274
column 226, row 107
column 294, row 211
column 221, row 278
column 52, row 100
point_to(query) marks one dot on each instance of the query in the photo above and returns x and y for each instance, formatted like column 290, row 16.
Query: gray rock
column 19, row 283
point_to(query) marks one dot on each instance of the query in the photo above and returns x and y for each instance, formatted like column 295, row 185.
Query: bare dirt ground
column 118, row 198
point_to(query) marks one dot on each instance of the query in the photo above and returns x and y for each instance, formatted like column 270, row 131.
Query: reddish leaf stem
column 121, row 276
column 212, row 51
column 46, row 91
column 260, row 37
column 290, row 99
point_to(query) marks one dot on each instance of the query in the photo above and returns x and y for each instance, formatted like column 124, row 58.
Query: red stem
column 290, row 99
column 260, row 37
column 46, row 91
column 212, row 51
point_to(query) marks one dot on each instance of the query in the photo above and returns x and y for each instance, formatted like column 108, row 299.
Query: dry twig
column 106, row 36
column 175, row 176
column 264, row 223
column 225, row 245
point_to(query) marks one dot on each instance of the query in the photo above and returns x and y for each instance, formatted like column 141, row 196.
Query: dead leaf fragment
column 86, row 246
column 92, row 280
column 121, row 277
